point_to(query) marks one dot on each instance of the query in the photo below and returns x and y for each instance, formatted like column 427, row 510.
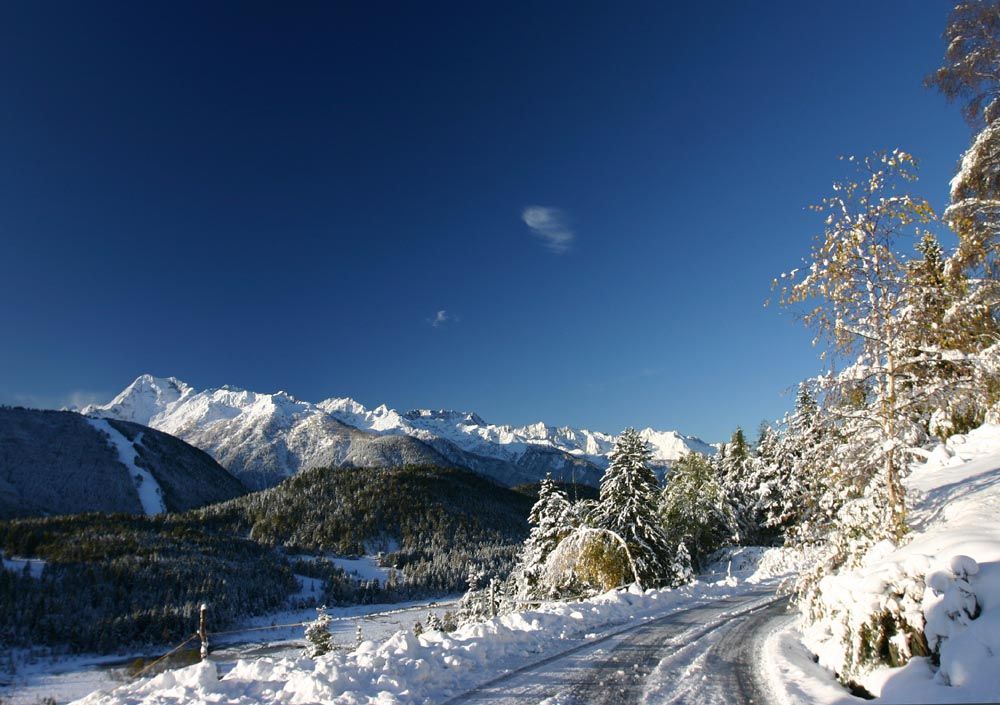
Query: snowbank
column 413, row 669
column 943, row 583
column 755, row 564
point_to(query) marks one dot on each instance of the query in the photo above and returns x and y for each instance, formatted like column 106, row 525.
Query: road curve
column 701, row 655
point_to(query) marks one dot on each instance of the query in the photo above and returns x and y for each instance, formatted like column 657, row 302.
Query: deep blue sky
column 283, row 196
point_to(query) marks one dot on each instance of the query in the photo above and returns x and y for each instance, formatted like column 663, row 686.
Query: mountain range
column 264, row 437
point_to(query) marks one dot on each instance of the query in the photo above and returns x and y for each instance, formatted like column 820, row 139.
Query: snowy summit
column 263, row 438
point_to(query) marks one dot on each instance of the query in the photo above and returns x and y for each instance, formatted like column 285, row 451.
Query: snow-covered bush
column 318, row 634
column 483, row 598
column 588, row 560
column 935, row 595
column 963, row 622
column 869, row 616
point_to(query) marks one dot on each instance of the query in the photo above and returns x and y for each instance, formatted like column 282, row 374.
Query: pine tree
column 773, row 494
column 681, row 567
column 627, row 507
column 797, row 472
column 694, row 511
column 318, row 634
column 735, row 471
column 945, row 375
column 551, row 519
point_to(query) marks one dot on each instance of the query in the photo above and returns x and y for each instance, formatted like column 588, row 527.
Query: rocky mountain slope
column 262, row 438
column 59, row 462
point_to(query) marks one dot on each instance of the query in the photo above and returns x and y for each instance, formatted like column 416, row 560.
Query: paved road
column 702, row 655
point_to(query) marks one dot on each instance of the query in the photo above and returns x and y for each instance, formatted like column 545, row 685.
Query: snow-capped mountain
column 262, row 438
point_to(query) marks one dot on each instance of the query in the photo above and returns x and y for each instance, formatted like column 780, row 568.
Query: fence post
column 202, row 631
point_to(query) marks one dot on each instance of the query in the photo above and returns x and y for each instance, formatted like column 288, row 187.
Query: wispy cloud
column 81, row 398
column 442, row 318
column 549, row 224
column 76, row 399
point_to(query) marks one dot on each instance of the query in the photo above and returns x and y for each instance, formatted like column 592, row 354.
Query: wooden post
column 202, row 631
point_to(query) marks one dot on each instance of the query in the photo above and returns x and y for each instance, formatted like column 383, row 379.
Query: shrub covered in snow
column 937, row 596
column 318, row 634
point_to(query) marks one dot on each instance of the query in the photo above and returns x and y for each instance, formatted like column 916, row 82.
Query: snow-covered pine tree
column 694, row 511
column 680, row 567
column 627, row 506
column 945, row 333
column 318, row 634
column 735, row 470
column 473, row 606
column 551, row 520
column 797, row 473
column 771, row 494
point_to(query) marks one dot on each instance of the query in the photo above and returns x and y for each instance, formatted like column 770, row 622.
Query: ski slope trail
column 705, row 654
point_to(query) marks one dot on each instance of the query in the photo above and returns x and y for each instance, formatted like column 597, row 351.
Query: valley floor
column 436, row 667
column 67, row 678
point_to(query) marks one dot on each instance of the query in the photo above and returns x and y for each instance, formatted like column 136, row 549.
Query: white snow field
column 67, row 678
column 954, row 548
column 429, row 668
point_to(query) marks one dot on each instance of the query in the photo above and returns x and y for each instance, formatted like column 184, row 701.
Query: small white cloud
column 80, row 398
column 441, row 318
column 549, row 224
column 74, row 400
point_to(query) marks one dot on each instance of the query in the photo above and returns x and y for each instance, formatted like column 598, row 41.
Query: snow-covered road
column 702, row 655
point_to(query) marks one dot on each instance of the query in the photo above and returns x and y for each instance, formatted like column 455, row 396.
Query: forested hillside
column 112, row 580
column 59, row 462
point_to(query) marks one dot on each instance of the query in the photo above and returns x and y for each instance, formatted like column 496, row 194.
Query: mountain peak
column 466, row 418
column 146, row 397
column 275, row 434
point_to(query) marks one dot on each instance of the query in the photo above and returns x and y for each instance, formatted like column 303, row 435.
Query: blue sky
column 560, row 211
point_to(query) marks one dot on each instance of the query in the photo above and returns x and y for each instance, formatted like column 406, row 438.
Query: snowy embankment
column 433, row 666
column 945, row 580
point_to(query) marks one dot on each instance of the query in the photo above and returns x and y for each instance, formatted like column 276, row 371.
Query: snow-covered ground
column 434, row 666
column 360, row 568
column 954, row 549
column 35, row 565
column 68, row 678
